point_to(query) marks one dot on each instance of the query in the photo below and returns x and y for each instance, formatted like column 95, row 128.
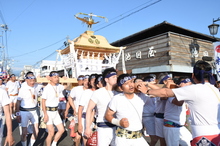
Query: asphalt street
column 65, row 140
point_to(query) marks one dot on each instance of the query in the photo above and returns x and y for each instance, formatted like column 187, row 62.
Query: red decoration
column 217, row 48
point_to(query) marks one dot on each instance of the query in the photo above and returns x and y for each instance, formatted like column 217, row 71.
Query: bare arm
column 153, row 86
column 9, row 138
column 109, row 115
column 44, row 110
column 18, row 117
column 18, row 103
column 176, row 102
column 89, row 116
column 71, row 103
column 161, row 92
column 44, row 106
column 67, row 109
column 89, row 113
column 80, row 110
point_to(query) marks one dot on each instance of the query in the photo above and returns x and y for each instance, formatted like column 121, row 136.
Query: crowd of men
column 121, row 108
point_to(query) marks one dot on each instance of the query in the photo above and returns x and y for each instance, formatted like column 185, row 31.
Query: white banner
column 217, row 58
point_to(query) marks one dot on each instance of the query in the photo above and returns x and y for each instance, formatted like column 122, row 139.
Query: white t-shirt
column 13, row 87
column 3, row 86
column 203, row 102
column 76, row 94
column 128, row 108
column 23, row 84
column 149, row 106
column 52, row 94
column 25, row 96
column 174, row 113
column 4, row 100
column 101, row 98
column 160, row 105
column 84, row 100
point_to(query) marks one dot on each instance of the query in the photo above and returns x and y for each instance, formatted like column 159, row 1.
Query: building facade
column 164, row 48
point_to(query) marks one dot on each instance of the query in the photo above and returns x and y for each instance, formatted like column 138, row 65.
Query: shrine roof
column 160, row 29
column 90, row 42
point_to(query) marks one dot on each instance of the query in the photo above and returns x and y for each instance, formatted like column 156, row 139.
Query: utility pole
column 4, row 47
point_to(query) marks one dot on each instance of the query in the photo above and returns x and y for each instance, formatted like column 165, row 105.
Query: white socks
column 32, row 141
column 54, row 143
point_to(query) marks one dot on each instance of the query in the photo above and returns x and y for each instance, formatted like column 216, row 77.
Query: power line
column 117, row 20
column 129, row 15
column 45, row 58
column 1, row 15
column 95, row 30
column 38, row 49
column 49, row 55
column 23, row 11
column 124, row 13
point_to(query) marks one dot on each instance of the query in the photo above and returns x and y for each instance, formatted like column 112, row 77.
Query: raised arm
column 162, row 92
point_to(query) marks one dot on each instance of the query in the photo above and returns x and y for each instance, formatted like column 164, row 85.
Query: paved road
column 65, row 140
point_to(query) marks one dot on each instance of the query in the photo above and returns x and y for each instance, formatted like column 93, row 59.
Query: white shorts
column 53, row 118
column 106, row 136
column 121, row 141
column 27, row 116
column 62, row 105
column 149, row 124
column 175, row 136
column 159, row 127
column 13, row 98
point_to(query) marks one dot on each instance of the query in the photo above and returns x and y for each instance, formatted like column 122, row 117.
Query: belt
column 27, row 109
column 51, row 108
column 105, row 124
column 168, row 123
column 13, row 94
column 120, row 132
column 159, row 115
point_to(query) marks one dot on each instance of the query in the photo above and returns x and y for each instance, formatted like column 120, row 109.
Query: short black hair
column 122, row 76
column 52, row 72
column 28, row 73
column 97, row 77
column 12, row 75
column 161, row 76
column 182, row 78
column 80, row 77
column 97, row 80
column 202, row 65
column 90, row 78
column 137, row 78
column 150, row 76
column 106, row 72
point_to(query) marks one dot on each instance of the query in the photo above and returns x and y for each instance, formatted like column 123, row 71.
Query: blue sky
column 36, row 24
